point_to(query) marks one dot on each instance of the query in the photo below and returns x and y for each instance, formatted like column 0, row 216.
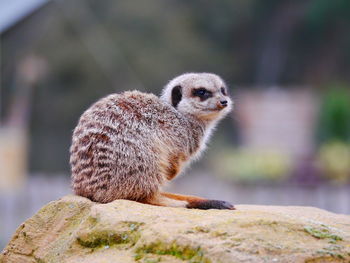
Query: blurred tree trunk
column 103, row 48
column 14, row 132
column 274, row 40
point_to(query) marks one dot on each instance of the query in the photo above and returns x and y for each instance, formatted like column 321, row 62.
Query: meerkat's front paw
column 211, row 204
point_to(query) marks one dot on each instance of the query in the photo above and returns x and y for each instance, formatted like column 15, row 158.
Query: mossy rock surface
column 74, row 229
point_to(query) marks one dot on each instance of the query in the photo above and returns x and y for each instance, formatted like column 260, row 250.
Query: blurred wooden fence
column 39, row 190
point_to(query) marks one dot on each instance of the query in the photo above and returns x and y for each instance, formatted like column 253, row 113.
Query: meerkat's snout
column 221, row 104
column 222, row 101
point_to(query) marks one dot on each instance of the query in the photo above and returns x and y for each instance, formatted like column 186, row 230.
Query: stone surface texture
column 74, row 229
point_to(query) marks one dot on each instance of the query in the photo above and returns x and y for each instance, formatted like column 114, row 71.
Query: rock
column 74, row 229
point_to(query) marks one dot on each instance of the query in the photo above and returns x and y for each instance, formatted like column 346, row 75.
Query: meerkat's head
column 204, row 95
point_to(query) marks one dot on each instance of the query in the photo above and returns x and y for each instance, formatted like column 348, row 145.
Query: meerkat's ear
column 176, row 95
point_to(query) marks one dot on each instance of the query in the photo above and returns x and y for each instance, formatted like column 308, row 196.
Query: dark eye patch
column 176, row 95
column 202, row 93
column 223, row 91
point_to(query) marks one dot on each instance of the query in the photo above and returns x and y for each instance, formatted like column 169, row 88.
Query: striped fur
column 126, row 146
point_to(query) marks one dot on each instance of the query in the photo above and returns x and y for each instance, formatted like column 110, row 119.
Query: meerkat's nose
column 223, row 103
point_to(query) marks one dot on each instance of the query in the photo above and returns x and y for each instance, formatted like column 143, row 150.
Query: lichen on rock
column 74, row 229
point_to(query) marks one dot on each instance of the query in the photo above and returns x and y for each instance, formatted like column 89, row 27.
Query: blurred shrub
column 334, row 123
column 246, row 165
column 334, row 160
column 334, row 134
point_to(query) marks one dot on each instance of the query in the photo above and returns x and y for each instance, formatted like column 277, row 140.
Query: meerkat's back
column 117, row 146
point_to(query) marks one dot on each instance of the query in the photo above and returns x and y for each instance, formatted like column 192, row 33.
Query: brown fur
column 126, row 146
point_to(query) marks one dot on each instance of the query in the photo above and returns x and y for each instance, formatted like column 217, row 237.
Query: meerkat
column 128, row 145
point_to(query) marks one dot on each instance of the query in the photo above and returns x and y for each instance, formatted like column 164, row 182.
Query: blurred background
column 287, row 64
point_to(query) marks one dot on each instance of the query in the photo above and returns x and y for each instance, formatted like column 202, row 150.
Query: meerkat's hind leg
column 161, row 200
column 198, row 202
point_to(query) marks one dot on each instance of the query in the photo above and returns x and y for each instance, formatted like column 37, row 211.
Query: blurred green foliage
column 252, row 166
column 334, row 123
column 334, row 134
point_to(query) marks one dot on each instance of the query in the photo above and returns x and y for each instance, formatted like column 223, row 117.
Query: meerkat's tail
column 176, row 200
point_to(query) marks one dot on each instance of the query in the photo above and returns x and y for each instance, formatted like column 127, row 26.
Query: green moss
column 259, row 222
column 39, row 260
column 330, row 253
column 96, row 239
column 181, row 252
column 334, row 248
column 219, row 233
column 201, row 229
column 92, row 221
column 100, row 239
column 322, row 233
column 152, row 260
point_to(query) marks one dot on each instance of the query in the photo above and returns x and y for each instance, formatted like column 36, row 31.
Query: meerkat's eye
column 223, row 91
column 202, row 93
